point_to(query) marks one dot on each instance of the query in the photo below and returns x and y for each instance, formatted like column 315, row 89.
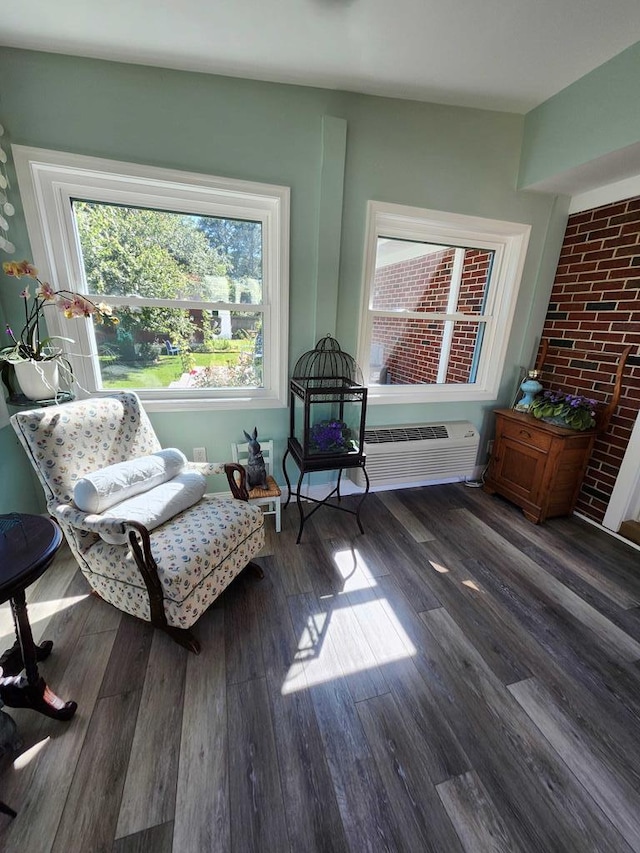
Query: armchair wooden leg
column 255, row 569
column 182, row 637
column 142, row 554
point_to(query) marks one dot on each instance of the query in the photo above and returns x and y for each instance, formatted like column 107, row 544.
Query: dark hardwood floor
column 456, row 679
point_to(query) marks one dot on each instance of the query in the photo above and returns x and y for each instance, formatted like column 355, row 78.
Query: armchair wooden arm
column 237, row 479
column 235, row 473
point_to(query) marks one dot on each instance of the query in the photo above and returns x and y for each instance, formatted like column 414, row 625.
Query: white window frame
column 508, row 241
column 50, row 180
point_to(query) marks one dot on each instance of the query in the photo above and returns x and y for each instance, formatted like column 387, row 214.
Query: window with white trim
column 439, row 295
column 194, row 267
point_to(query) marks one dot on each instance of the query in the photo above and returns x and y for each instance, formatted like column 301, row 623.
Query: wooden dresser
column 536, row 465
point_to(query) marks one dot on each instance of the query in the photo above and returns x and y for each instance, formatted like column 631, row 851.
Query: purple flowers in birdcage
column 331, row 436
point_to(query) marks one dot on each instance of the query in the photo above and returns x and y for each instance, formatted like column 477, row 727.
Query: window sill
column 448, row 394
column 206, row 404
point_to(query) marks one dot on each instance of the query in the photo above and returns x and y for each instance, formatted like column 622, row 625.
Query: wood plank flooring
column 457, row 679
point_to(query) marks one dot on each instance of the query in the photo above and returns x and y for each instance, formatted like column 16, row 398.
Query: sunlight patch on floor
column 353, row 570
column 317, row 659
column 37, row 610
column 28, row 755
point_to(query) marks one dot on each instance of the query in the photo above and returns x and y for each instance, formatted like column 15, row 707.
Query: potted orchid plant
column 37, row 360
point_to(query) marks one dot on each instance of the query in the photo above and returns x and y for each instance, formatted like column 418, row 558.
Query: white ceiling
column 495, row 54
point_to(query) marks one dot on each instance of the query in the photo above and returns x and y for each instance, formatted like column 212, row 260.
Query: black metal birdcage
column 327, row 404
column 325, row 363
column 327, row 413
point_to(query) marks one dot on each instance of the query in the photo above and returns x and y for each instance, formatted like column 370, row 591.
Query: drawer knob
column 525, row 433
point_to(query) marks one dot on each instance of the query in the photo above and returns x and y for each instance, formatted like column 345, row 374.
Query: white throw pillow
column 159, row 504
column 115, row 483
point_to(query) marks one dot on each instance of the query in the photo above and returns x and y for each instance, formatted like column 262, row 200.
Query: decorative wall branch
column 6, row 208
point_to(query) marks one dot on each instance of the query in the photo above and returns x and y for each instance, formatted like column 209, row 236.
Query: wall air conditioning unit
column 419, row 454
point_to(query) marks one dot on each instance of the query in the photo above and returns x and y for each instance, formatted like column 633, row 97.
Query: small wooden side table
column 28, row 544
column 537, row 466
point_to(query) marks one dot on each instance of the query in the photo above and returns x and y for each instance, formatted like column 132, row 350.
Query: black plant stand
column 335, row 462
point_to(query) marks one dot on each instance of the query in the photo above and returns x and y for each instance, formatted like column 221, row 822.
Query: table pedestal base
column 30, row 691
column 36, row 696
column 11, row 662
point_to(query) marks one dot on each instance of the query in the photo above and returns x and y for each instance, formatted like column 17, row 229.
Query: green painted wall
column 459, row 160
column 20, row 490
column 444, row 158
column 595, row 116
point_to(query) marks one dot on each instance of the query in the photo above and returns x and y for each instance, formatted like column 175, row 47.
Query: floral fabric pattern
column 198, row 552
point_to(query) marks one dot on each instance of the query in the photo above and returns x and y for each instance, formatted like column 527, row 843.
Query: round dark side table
column 28, row 544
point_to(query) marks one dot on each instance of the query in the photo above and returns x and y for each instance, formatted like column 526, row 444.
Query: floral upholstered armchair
column 136, row 518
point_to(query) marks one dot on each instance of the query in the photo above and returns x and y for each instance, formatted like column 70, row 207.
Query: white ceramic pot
column 39, row 380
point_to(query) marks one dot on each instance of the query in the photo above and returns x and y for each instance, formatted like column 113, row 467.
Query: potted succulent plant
column 38, row 361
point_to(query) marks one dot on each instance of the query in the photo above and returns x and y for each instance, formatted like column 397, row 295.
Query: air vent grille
column 396, row 434
column 419, row 453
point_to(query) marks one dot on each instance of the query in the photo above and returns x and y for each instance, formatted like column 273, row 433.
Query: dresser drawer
column 526, row 434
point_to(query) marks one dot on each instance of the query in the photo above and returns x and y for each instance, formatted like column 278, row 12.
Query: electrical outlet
column 199, row 454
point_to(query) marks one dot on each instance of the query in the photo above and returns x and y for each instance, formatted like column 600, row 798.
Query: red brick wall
column 411, row 348
column 594, row 312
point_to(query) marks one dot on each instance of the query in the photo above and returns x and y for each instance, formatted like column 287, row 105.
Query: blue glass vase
column 529, row 387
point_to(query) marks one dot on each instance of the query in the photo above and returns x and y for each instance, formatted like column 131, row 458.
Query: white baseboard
column 606, row 530
column 348, row 487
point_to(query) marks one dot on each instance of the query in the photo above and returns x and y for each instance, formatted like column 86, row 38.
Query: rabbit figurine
column 256, row 470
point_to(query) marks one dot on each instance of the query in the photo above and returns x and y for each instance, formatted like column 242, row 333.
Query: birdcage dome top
column 327, row 362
